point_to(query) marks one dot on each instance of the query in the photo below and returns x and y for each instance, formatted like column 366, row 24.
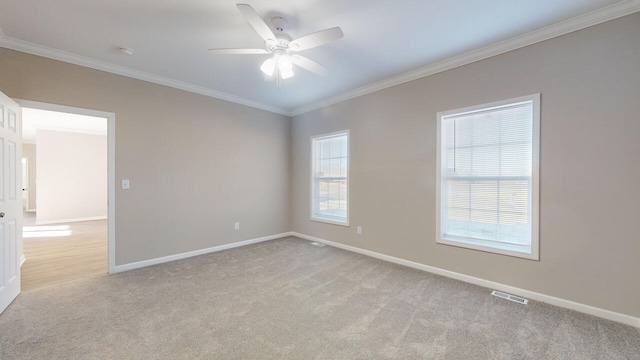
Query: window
column 329, row 178
column 487, row 177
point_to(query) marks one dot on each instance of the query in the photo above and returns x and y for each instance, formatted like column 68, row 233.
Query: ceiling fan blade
column 256, row 22
column 309, row 64
column 239, row 51
column 316, row 39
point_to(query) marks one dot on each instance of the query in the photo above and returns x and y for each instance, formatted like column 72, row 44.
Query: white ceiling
column 385, row 42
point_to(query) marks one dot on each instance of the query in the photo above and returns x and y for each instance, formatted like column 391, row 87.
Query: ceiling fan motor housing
column 279, row 23
column 282, row 39
column 281, row 42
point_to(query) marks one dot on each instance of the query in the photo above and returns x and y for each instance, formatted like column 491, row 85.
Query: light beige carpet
column 287, row 299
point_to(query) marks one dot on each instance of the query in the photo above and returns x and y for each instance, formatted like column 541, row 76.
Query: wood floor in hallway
column 63, row 252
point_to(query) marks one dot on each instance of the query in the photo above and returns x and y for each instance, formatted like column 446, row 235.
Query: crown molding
column 611, row 12
column 30, row 48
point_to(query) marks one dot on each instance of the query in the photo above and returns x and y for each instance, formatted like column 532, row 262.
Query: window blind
column 486, row 176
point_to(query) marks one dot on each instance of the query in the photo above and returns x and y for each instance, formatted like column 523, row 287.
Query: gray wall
column 590, row 165
column 196, row 164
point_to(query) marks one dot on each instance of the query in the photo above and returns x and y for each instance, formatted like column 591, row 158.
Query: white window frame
column 316, row 215
column 485, row 245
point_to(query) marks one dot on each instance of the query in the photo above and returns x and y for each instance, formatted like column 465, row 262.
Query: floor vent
column 315, row 243
column 510, row 297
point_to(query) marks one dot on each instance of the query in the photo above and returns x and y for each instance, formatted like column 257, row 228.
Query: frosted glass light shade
column 268, row 67
column 285, row 66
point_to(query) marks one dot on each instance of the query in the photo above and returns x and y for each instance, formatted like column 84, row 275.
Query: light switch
column 125, row 184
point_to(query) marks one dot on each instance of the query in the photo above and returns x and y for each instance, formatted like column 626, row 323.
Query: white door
column 10, row 200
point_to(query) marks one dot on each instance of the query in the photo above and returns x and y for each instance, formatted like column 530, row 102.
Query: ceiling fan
column 282, row 47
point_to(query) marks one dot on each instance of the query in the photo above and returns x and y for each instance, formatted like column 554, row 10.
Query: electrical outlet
column 125, row 184
column 237, row 226
column 359, row 230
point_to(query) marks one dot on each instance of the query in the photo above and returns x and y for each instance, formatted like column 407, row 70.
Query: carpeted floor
column 287, row 299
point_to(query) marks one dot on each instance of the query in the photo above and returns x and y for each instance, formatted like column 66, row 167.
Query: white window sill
column 330, row 221
column 524, row 252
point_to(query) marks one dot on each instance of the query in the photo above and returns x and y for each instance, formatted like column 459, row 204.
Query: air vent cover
column 510, row 297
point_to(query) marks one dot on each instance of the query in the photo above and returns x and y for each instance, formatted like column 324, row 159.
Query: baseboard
column 63, row 221
column 587, row 309
column 141, row 264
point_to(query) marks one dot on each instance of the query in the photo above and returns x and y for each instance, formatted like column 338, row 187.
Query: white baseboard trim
column 62, row 221
column 587, row 309
column 144, row 263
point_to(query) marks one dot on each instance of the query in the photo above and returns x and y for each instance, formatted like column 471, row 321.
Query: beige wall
column 590, row 166
column 72, row 176
column 29, row 151
column 196, row 164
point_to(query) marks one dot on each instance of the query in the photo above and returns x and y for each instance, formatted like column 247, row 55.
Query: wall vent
column 315, row 243
column 510, row 297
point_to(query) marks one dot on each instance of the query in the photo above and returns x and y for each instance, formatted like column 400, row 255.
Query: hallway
column 62, row 252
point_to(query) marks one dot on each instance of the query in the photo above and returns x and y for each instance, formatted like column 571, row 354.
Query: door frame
column 25, row 184
column 111, row 167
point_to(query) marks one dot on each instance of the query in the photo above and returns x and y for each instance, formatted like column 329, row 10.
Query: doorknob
column 1, row 214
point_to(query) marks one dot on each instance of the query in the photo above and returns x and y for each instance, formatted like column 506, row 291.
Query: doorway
column 68, row 213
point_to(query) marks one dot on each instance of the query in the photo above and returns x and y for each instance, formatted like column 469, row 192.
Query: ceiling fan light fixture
column 286, row 74
column 280, row 62
column 282, row 47
column 268, row 66
column 285, row 66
